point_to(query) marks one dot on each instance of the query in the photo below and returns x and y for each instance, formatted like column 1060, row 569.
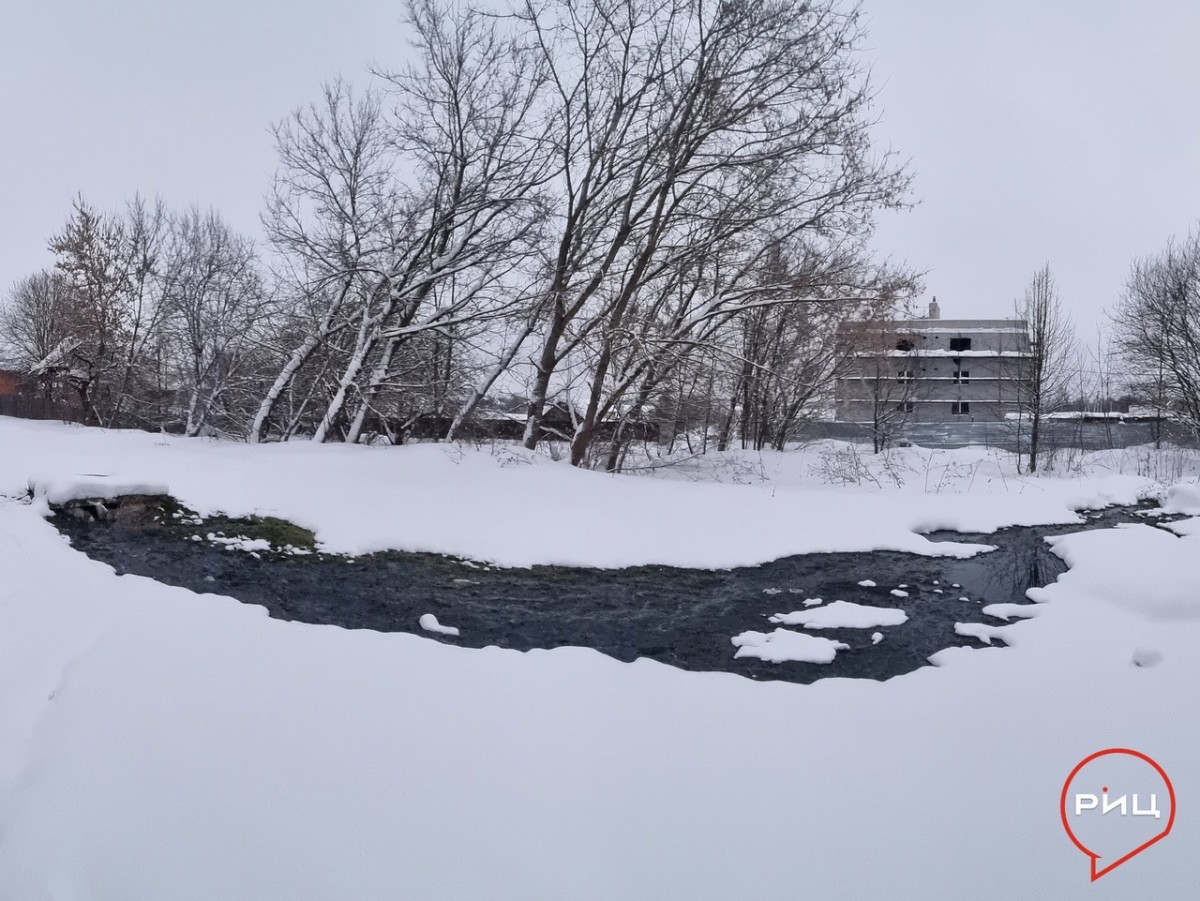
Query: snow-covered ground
column 158, row 744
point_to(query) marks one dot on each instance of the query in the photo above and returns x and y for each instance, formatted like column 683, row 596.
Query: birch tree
column 464, row 122
column 407, row 222
column 331, row 217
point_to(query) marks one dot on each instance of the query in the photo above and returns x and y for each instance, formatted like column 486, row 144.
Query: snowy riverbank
column 506, row 505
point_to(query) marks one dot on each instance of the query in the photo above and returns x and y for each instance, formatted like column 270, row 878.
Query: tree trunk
column 1034, row 438
column 298, row 358
column 541, row 384
column 368, row 334
column 378, row 374
column 479, row 392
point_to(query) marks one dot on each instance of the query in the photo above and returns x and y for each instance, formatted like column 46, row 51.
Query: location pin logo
column 1115, row 804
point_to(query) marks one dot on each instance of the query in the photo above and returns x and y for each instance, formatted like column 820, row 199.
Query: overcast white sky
column 1060, row 131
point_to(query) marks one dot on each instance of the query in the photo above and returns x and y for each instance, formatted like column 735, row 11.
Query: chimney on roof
column 935, row 312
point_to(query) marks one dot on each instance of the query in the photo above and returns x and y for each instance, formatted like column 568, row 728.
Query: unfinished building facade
column 933, row 370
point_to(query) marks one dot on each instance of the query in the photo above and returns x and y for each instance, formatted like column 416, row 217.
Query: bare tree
column 398, row 226
column 145, row 227
column 629, row 205
column 792, row 352
column 108, row 307
column 1158, row 327
column 880, row 382
column 690, row 137
column 331, row 217
column 91, row 253
column 143, row 306
column 215, row 305
column 464, row 122
column 35, row 318
column 1045, row 374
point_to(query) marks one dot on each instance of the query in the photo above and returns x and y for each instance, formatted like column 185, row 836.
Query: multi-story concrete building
column 933, row 370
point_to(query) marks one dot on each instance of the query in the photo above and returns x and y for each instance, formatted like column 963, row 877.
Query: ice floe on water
column 843, row 615
column 784, row 645
column 1008, row 611
column 430, row 623
column 239, row 543
column 982, row 631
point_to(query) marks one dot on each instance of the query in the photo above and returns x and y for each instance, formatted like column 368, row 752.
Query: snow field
column 163, row 744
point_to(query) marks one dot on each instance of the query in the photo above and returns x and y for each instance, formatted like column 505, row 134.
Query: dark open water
column 682, row 617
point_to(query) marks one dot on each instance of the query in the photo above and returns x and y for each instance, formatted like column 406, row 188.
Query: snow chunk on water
column 876, row 637
column 812, row 602
column 843, row 615
column 982, row 631
column 1007, row 611
column 784, row 645
column 867, row 583
column 898, row 593
column 430, row 623
column 240, row 543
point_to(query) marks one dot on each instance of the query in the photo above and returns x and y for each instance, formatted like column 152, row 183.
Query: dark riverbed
column 681, row 617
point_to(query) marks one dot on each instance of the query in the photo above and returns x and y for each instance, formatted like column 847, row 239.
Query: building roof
column 922, row 354
column 964, row 325
column 951, row 326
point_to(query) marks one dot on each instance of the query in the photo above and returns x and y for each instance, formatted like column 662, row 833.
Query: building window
column 905, row 406
column 905, row 375
column 904, row 344
column 960, row 343
column 962, row 375
column 960, row 408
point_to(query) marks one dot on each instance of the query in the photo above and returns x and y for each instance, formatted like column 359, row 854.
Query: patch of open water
column 682, row 617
